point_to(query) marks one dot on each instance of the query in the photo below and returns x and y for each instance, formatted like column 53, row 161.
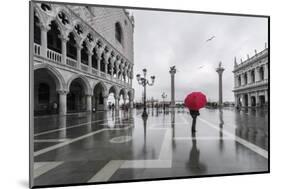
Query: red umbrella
column 195, row 100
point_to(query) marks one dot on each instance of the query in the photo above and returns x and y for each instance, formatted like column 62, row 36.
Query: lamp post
column 143, row 81
column 164, row 95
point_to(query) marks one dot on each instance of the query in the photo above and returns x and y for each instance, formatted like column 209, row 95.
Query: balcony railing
column 84, row 67
column 102, row 74
column 94, row 71
column 57, row 58
column 54, row 56
column 37, row 49
column 71, row 62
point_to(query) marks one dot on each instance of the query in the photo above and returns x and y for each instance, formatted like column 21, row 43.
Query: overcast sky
column 164, row 39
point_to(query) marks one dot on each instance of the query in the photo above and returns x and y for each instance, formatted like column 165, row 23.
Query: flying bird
column 201, row 67
column 210, row 38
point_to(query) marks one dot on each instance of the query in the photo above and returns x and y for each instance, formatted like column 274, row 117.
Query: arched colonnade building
column 251, row 80
column 81, row 55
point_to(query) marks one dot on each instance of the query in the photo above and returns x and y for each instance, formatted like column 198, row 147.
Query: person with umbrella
column 194, row 101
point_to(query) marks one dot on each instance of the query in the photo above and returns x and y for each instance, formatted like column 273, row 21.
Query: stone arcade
column 251, row 80
column 81, row 55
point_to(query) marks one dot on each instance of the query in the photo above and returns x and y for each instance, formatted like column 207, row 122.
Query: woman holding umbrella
column 194, row 101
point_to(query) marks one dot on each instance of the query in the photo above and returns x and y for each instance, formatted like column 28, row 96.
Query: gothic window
column 102, row 64
column 71, row 46
column 84, row 53
column 109, row 68
column 37, row 29
column 54, row 41
column 94, row 60
column 118, row 33
column 43, row 93
column 239, row 80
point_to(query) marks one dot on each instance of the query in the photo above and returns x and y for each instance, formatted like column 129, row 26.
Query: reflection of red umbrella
column 195, row 100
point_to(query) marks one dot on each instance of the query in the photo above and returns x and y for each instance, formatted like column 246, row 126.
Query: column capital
column 89, row 94
column 63, row 38
column 44, row 27
column 62, row 92
column 90, row 53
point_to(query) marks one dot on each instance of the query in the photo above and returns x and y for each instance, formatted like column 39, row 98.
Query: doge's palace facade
column 251, row 80
column 81, row 55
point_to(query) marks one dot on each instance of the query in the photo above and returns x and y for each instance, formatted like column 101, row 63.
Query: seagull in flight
column 210, row 38
column 201, row 67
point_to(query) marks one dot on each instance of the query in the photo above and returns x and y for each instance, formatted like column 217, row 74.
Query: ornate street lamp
column 143, row 81
column 164, row 95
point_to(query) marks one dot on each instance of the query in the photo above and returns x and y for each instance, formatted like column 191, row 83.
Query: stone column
column 236, row 98
column 124, row 99
column 90, row 54
column 63, row 49
column 62, row 102
column 266, row 96
column 112, row 61
column 93, row 103
column 99, row 51
column 249, row 100
column 78, row 47
column 173, row 72
column 249, row 76
column 116, row 102
column 220, row 70
column 257, row 74
column 44, row 41
column 106, row 67
column 117, row 67
column 89, row 102
column 243, row 100
column 98, row 61
column 105, row 102
column 266, row 71
column 112, row 69
column 257, row 99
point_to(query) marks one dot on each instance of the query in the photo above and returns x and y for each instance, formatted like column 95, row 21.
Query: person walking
column 194, row 101
column 194, row 114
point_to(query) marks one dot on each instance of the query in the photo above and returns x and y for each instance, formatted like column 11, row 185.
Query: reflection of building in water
column 82, row 54
column 251, row 80
column 255, row 132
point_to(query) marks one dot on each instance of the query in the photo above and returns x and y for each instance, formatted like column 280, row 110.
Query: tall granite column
column 220, row 70
column 173, row 72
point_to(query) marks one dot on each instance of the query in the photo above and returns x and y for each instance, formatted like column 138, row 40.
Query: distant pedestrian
column 55, row 107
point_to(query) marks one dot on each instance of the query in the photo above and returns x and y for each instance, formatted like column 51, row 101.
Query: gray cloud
column 163, row 39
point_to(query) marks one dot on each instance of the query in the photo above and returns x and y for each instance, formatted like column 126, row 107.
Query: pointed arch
column 59, row 80
column 83, row 80
column 113, row 89
column 104, row 88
